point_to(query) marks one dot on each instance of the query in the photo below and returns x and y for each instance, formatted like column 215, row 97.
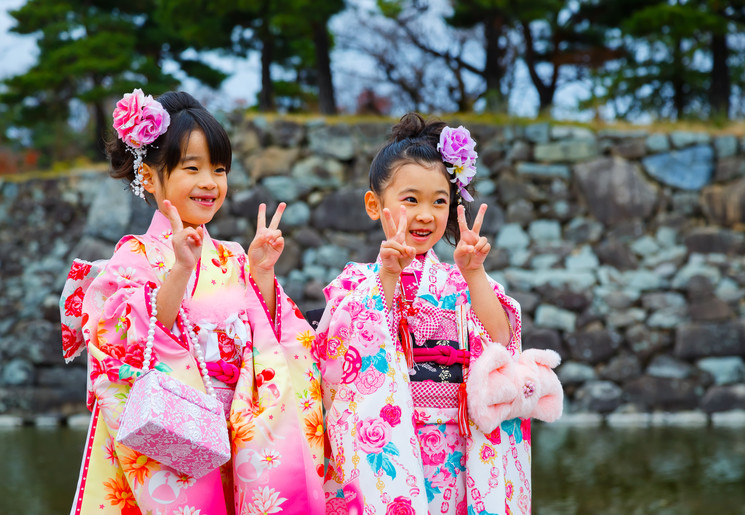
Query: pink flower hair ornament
column 457, row 149
column 138, row 121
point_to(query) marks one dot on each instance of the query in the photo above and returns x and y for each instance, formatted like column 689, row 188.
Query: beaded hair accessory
column 457, row 149
column 139, row 120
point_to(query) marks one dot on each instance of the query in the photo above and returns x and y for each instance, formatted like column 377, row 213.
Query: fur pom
column 491, row 387
column 501, row 387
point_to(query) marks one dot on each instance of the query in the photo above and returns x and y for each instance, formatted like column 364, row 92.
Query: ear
column 148, row 178
column 372, row 205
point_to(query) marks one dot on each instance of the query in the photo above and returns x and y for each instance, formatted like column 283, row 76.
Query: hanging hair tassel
column 465, row 429
column 406, row 344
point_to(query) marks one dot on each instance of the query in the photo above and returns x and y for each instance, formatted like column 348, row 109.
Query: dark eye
column 410, row 199
column 220, row 170
column 441, row 201
column 192, row 168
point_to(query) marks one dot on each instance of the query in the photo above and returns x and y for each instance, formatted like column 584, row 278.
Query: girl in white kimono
column 217, row 320
column 426, row 391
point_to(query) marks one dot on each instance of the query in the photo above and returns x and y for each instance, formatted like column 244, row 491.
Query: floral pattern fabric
column 396, row 450
column 263, row 371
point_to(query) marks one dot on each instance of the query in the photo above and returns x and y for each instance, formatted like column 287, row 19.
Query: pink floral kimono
column 395, row 441
column 261, row 368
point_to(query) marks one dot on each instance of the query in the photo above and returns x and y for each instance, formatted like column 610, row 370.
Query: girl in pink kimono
column 426, row 391
column 198, row 300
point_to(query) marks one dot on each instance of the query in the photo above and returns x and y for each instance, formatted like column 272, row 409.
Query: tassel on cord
column 406, row 345
column 465, row 429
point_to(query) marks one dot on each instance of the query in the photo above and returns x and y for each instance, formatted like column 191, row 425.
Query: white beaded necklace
column 147, row 355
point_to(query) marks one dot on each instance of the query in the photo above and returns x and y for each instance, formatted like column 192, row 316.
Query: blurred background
column 611, row 154
column 65, row 62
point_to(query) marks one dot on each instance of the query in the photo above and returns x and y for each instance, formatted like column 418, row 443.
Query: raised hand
column 394, row 252
column 472, row 248
column 268, row 242
column 187, row 241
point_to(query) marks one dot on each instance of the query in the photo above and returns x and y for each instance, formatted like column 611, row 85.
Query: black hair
column 165, row 153
column 414, row 140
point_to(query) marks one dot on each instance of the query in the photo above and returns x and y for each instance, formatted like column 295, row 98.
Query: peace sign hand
column 268, row 242
column 472, row 249
column 187, row 241
column 394, row 252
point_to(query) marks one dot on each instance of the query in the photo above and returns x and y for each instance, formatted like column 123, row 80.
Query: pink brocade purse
column 175, row 424
column 171, row 422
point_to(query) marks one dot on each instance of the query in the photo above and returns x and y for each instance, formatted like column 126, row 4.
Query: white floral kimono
column 395, row 443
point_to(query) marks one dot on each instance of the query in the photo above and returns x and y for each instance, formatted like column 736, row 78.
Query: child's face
column 425, row 192
column 196, row 187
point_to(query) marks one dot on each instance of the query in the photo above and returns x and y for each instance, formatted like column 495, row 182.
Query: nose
column 424, row 215
column 207, row 181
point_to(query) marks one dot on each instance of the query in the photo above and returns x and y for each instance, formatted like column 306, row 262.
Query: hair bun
column 413, row 126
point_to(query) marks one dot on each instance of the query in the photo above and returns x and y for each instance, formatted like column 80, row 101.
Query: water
column 660, row 470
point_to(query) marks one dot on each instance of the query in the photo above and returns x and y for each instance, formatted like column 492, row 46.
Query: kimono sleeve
column 479, row 337
column 373, row 450
column 117, row 306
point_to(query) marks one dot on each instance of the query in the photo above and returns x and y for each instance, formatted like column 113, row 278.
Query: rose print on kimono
column 433, row 444
column 164, row 487
column 370, row 381
column 74, row 303
column 400, row 506
column 79, row 270
column 374, row 439
column 70, row 340
column 352, row 366
column 391, row 414
column 108, row 367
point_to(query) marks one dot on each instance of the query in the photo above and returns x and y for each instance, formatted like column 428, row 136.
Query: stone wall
column 624, row 248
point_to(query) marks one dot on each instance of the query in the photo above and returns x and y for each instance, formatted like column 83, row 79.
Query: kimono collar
column 160, row 229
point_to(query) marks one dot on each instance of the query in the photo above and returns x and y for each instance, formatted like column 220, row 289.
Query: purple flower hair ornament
column 139, row 120
column 457, row 149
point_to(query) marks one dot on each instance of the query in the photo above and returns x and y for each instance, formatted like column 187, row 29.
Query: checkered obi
column 437, row 372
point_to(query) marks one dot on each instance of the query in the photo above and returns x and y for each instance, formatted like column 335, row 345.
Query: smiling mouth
column 421, row 234
column 205, row 200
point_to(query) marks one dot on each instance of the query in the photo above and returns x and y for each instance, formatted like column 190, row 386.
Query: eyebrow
column 414, row 190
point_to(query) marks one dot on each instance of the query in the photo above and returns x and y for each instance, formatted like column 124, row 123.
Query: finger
column 462, row 220
column 389, row 226
column 479, row 219
column 483, row 246
column 193, row 236
column 274, row 224
column 402, row 222
column 261, row 218
column 174, row 218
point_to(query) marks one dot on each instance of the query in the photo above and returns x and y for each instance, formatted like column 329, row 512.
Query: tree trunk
column 326, row 97
column 494, row 69
column 720, row 79
column 678, row 81
column 545, row 91
column 100, row 119
column 266, row 95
